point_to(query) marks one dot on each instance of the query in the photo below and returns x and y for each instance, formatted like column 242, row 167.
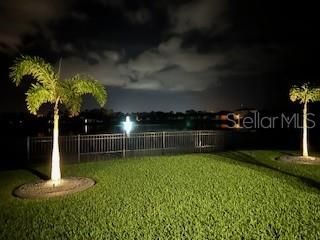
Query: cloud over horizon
column 172, row 67
column 168, row 67
column 176, row 47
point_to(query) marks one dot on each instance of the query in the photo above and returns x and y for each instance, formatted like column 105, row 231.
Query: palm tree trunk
column 305, row 132
column 55, row 167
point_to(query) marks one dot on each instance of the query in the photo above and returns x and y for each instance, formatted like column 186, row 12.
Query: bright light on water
column 127, row 125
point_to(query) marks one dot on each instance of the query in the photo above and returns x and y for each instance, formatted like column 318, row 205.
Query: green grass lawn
column 232, row 195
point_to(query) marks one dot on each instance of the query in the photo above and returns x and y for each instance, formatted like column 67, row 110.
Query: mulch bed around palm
column 300, row 159
column 47, row 189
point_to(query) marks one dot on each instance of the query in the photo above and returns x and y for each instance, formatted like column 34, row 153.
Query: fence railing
column 77, row 147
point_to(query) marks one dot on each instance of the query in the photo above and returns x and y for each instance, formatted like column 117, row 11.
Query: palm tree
column 49, row 88
column 304, row 94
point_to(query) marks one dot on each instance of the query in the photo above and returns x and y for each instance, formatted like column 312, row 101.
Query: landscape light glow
column 127, row 125
column 55, row 168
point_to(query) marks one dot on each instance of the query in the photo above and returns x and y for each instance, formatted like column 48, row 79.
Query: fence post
column 215, row 141
column 79, row 146
column 28, row 149
column 163, row 142
column 123, row 145
column 195, row 135
column 200, row 141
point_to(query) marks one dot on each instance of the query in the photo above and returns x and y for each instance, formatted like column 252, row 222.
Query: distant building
column 232, row 119
column 223, row 120
column 242, row 113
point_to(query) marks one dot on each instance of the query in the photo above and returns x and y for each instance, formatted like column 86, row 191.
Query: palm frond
column 73, row 105
column 73, row 89
column 314, row 95
column 49, row 88
column 304, row 93
column 34, row 66
column 36, row 96
column 295, row 94
column 69, row 98
column 85, row 84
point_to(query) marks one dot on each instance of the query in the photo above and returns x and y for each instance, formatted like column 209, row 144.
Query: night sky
column 168, row 55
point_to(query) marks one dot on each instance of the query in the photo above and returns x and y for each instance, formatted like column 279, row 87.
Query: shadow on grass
column 39, row 174
column 256, row 164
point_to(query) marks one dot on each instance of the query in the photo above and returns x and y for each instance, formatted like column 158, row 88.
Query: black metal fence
column 84, row 147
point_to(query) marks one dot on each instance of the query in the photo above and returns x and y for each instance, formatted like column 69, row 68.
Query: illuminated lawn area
column 233, row 195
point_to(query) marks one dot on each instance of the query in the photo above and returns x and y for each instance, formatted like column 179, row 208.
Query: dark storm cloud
column 140, row 16
column 203, row 48
column 171, row 67
column 67, row 24
column 18, row 17
column 167, row 67
column 201, row 15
